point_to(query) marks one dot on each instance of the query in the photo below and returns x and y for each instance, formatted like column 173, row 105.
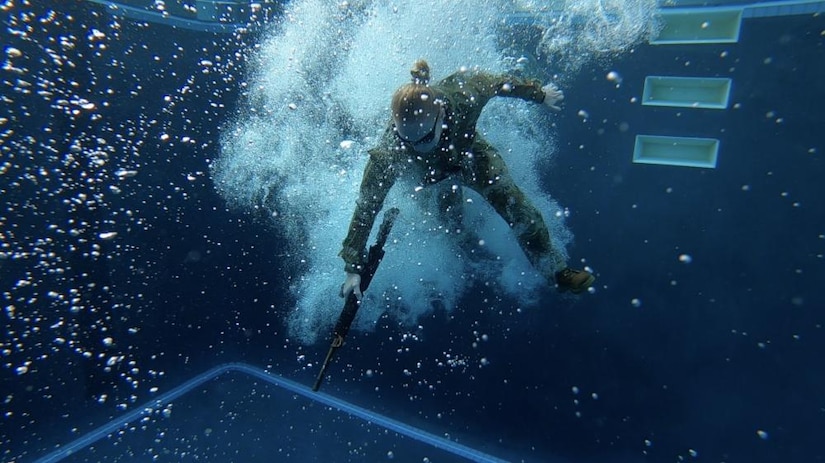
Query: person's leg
column 487, row 174
column 490, row 177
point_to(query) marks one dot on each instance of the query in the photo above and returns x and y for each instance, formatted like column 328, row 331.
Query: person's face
column 427, row 141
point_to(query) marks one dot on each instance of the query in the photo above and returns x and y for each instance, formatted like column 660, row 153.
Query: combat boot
column 573, row 280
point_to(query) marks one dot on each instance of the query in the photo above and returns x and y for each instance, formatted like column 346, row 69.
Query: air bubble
column 12, row 52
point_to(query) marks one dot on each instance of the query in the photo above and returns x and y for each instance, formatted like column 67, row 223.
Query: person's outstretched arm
column 506, row 85
column 379, row 176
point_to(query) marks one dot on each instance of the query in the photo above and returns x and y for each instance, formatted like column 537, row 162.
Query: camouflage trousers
column 486, row 173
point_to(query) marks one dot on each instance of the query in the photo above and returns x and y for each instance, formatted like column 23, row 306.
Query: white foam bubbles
column 319, row 98
column 583, row 30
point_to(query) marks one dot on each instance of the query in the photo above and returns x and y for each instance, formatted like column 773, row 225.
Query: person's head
column 417, row 111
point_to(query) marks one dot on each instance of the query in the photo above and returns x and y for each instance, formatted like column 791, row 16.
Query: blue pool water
column 177, row 179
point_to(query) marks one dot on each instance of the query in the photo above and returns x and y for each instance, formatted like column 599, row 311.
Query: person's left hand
column 552, row 96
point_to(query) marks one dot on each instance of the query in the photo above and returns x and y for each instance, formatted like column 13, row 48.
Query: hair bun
column 420, row 72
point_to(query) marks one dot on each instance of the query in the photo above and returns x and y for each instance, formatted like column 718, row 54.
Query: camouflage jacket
column 465, row 94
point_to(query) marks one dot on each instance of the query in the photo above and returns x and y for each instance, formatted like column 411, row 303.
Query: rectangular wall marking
column 676, row 151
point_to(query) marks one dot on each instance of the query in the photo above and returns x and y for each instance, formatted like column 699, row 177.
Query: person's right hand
column 352, row 284
column 552, row 96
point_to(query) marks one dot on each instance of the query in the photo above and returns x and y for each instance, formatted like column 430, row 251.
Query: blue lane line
column 783, row 8
column 147, row 408
column 372, row 417
column 140, row 14
column 749, row 10
column 297, row 388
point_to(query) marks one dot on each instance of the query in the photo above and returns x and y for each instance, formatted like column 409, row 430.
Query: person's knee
column 534, row 235
column 502, row 194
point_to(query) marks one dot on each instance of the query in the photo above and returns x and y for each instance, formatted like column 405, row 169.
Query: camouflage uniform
column 463, row 153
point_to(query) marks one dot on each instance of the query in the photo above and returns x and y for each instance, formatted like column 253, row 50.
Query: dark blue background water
column 719, row 349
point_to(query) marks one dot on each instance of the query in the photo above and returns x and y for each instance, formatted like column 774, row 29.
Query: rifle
column 374, row 256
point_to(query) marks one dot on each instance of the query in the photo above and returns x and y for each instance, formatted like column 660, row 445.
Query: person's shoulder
column 464, row 74
column 461, row 80
column 385, row 148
